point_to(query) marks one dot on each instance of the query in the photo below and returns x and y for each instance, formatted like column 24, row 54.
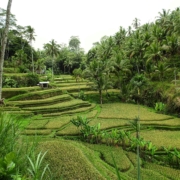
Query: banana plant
column 96, row 131
column 153, row 151
column 122, row 136
column 81, row 122
column 114, row 136
column 176, row 157
column 168, row 155
column 105, row 136
column 128, row 135
column 133, row 144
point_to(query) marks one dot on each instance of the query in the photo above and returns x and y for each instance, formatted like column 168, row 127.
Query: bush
column 160, row 107
column 16, row 81
column 9, row 82
column 23, row 69
column 81, row 95
column 32, row 79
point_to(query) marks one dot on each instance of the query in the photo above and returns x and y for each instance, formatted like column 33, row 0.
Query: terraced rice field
column 51, row 111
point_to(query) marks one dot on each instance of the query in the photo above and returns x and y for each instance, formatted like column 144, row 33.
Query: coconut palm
column 158, row 33
column 161, row 70
column 154, row 53
column 176, row 20
column 69, row 62
column 39, row 65
column 121, row 67
column 137, row 82
column 3, row 43
column 98, row 73
column 136, row 23
column 30, row 35
column 52, row 49
column 120, row 36
column 163, row 17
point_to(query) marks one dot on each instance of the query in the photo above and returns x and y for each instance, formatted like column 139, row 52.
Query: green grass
column 47, row 101
column 59, row 107
column 40, row 124
column 15, row 74
column 64, row 84
column 23, row 89
column 12, row 92
column 148, row 174
column 68, row 130
column 168, row 172
column 41, row 94
column 75, row 88
column 162, row 137
column 75, row 160
column 58, row 122
column 109, row 123
column 36, row 132
column 105, row 124
column 90, row 115
column 23, row 113
column 129, row 111
column 71, row 160
column 106, row 154
column 175, row 122
column 71, row 112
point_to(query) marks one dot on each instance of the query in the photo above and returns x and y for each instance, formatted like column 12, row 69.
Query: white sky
column 88, row 19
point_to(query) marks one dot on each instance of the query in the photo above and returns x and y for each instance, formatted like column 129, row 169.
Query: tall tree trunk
column 52, row 67
column 32, row 58
column 138, row 138
column 100, row 94
column 4, row 42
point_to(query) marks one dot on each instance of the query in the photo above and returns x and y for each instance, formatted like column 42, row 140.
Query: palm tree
column 136, row 47
column 98, row 73
column 137, row 82
column 136, row 23
column 129, row 31
column 3, row 43
column 52, row 49
column 176, row 20
column 30, row 35
column 39, row 65
column 120, row 36
column 68, row 63
column 162, row 69
column 153, row 53
column 121, row 67
column 158, row 33
column 163, row 17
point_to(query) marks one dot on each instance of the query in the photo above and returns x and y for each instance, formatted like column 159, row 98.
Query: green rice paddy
column 51, row 111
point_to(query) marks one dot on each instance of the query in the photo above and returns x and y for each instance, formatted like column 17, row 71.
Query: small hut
column 44, row 84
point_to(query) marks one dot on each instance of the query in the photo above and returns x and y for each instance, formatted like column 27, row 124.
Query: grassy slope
column 75, row 160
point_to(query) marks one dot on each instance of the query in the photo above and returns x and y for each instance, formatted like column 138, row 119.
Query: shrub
column 32, row 79
column 82, row 95
column 160, row 107
column 9, row 82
